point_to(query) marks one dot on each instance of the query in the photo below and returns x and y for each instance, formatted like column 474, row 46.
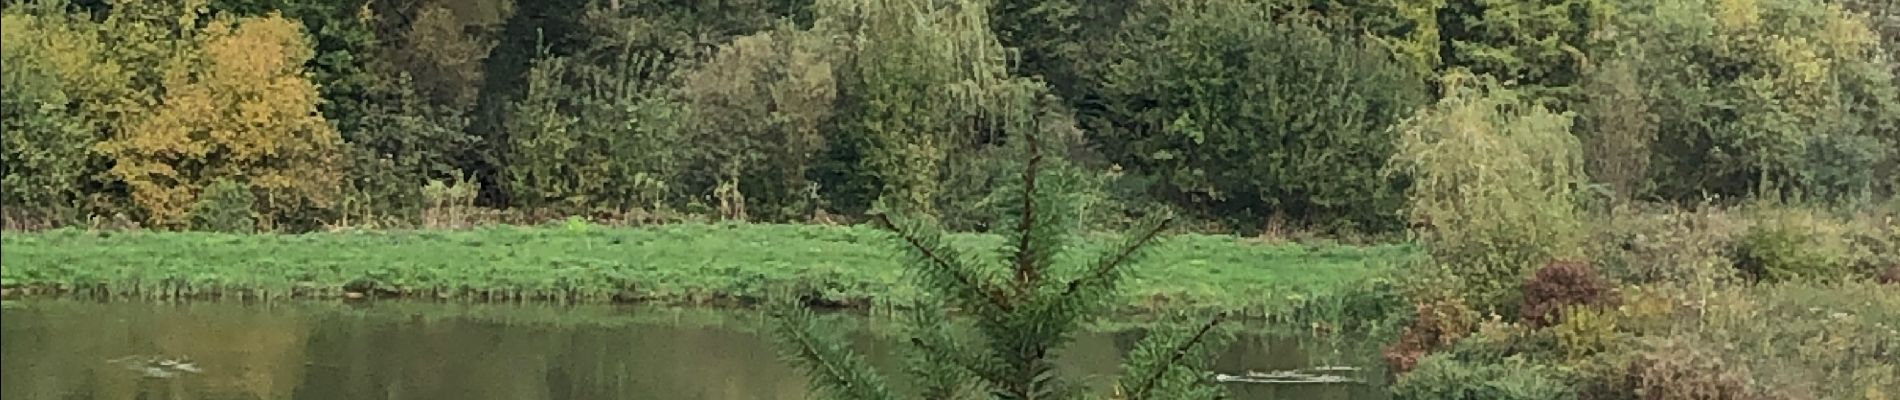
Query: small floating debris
column 156, row 367
column 1286, row 377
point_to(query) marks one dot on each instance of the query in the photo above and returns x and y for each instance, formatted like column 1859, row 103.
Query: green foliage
column 590, row 136
column 1557, row 287
column 442, row 56
column 226, row 206
column 1498, row 361
column 1410, row 28
column 1792, row 340
column 756, row 109
column 542, row 139
column 1258, row 119
column 1884, row 17
column 1021, row 303
column 1444, row 377
column 1586, row 331
column 235, row 103
column 1166, row 364
column 1617, row 127
column 1754, row 85
column 1843, row 169
column 1667, row 246
column 399, row 141
column 449, row 203
column 834, row 369
column 921, row 84
column 54, row 79
column 784, row 110
column 1493, row 188
column 1790, row 244
column 1539, row 44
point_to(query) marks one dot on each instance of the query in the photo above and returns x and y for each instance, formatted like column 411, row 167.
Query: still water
column 68, row 349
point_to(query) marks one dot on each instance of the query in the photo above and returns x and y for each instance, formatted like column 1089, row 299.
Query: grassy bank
column 684, row 263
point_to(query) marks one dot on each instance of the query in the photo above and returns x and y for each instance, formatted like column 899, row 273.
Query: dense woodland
column 1317, row 114
column 1611, row 199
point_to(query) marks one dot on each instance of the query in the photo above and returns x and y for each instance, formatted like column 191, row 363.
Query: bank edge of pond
column 683, row 264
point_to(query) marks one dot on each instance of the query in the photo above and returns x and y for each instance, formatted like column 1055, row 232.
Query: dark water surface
column 68, row 349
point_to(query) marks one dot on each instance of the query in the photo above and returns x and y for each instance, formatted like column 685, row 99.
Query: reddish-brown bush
column 1891, row 277
column 1677, row 372
column 1439, row 324
column 1560, row 284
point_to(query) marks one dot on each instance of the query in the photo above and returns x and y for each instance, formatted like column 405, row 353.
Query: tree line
column 1245, row 112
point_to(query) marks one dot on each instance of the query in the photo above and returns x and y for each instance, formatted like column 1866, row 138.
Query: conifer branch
column 1108, row 266
column 957, row 357
column 834, row 369
column 1180, row 352
column 1026, row 271
column 962, row 277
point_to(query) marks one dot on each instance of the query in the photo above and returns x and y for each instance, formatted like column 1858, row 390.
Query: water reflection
column 58, row 349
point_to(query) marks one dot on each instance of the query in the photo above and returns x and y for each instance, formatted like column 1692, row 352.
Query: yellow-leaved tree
column 237, row 105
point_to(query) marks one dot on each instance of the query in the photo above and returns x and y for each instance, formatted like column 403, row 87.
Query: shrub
column 226, row 206
column 1745, row 89
column 1617, row 128
column 236, row 103
column 1807, row 339
column 1558, row 286
column 1250, row 118
column 583, row 137
column 1641, row 245
column 757, row 106
column 1785, row 340
column 1436, row 325
column 449, row 203
column 1584, row 332
column 1787, row 244
column 1674, row 371
column 1842, row 168
column 1444, row 377
column 1493, row 186
column 395, row 140
column 55, row 92
column 1496, row 339
column 1873, row 241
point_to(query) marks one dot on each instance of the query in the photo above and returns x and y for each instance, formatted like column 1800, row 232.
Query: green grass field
column 685, row 263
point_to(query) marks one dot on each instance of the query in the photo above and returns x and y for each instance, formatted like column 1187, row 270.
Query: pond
column 71, row 349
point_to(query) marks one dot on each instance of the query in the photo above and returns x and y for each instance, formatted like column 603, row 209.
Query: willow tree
column 918, row 83
column 1020, row 306
column 1493, row 186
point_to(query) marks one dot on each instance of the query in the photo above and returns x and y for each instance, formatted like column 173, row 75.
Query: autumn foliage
column 1438, row 325
column 240, row 107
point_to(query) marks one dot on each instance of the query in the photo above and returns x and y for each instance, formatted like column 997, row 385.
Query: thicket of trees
column 1242, row 111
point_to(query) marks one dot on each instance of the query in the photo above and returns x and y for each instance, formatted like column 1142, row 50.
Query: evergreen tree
column 1020, row 305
